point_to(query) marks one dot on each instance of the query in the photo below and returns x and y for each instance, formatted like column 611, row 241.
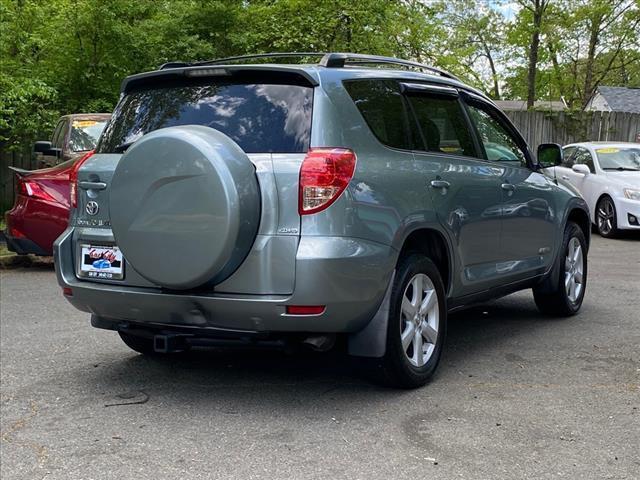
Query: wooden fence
column 537, row 127
column 563, row 127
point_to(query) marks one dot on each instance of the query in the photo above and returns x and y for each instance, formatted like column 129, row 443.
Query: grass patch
column 4, row 251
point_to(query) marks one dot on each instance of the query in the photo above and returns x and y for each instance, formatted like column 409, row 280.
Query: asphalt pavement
column 518, row 395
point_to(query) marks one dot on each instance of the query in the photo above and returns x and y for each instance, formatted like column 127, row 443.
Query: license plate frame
column 100, row 262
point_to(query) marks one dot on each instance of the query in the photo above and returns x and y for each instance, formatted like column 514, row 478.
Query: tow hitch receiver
column 169, row 343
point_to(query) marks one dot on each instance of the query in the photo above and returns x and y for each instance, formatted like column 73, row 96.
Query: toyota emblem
column 92, row 208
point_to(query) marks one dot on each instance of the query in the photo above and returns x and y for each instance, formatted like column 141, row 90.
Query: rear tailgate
column 279, row 125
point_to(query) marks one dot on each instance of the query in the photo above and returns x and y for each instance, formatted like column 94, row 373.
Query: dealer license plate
column 101, row 262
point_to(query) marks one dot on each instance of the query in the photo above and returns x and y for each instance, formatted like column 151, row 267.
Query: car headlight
column 632, row 194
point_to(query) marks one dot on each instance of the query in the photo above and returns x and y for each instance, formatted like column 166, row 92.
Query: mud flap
column 371, row 341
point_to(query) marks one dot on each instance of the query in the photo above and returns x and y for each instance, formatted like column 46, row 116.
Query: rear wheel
column 566, row 298
column 417, row 323
column 606, row 221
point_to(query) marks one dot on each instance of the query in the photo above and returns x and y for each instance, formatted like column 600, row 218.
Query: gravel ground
column 517, row 396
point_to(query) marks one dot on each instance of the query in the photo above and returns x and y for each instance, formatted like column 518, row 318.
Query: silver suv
column 235, row 203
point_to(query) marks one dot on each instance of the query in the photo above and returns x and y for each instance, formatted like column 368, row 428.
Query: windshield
column 624, row 158
column 85, row 134
column 260, row 118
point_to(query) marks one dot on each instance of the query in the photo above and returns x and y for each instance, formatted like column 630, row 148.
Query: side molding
column 371, row 341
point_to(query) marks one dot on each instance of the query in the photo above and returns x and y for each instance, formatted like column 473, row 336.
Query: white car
column 608, row 177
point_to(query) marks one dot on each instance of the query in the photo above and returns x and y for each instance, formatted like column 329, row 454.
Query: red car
column 41, row 210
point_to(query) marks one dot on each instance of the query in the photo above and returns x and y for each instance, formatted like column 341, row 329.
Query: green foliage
column 65, row 56
column 585, row 43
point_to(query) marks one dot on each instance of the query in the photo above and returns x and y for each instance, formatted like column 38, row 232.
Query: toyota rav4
column 231, row 202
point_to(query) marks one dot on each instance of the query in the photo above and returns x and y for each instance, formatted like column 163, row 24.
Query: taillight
column 31, row 188
column 16, row 233
column 73, row 179
column 324, row 175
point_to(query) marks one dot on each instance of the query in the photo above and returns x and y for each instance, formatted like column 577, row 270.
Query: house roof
column 517, row 105
column 621, row 99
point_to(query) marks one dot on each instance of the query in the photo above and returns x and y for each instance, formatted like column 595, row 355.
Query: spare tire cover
column 184, row 204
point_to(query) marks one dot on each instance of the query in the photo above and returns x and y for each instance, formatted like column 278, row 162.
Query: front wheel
column 606, row 221
column 565, row 299
column 417, row 323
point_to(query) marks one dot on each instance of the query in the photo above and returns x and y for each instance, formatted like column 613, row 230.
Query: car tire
column 567, row 296
column 606, row 218
column 137, row 343
column 402, row 364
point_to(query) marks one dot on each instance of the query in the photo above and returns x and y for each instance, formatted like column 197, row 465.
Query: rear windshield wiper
column 123, row 146
column 623, row 169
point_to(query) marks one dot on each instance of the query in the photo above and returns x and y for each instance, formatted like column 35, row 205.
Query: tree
column 475, row 39
column 535, row 12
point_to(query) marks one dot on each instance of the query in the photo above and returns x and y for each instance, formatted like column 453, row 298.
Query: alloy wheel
column 606, row 214
column 574, row 270
column 419, row 320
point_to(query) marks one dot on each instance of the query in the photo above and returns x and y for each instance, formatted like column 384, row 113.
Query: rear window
column 261, row 118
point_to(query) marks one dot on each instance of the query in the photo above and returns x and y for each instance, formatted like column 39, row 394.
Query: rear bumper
column 23, row 246
column 348, row 276
column 38, row 224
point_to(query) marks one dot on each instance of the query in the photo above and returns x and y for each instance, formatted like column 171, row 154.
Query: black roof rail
column 261, row 55
column 340, row 60
column 328, row 60
column 164, row 66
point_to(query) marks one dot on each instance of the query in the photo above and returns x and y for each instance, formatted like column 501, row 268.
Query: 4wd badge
column 92, row 208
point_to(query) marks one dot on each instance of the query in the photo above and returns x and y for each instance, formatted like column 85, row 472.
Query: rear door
column 268, row 116
column 528, row 204
column 464, row 188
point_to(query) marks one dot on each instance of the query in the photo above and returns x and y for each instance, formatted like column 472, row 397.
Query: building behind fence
column 536, row 127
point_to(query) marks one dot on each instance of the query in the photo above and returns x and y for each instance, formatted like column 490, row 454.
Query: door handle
column 92, row 185
column 565, row 177
column 440, row 184
column 510, row 187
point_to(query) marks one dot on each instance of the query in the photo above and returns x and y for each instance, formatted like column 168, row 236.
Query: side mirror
column 42, row 146
column 549, row 155
column 581, row 168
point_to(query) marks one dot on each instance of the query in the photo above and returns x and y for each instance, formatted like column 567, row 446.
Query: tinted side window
column 383, row 108
column 569, row 154
column 62, row 135
column 498, row 143
column 442, row 125
column 55, row 138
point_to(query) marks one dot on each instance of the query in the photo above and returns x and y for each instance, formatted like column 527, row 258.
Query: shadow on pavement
column 237, row 374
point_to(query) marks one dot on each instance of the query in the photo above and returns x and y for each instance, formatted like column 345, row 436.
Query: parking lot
column 518, row 395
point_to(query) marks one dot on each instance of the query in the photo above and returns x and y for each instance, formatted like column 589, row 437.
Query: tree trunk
column 533, row 53
column 494, row 73
column 591, row 58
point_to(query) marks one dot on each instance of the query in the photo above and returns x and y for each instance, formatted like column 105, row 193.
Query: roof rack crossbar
column 339, row 60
